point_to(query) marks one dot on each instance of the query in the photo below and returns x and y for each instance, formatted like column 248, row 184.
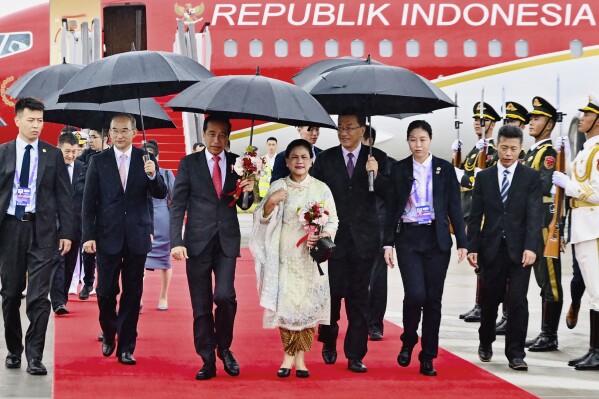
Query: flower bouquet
column 314, row 217
column 247, row 166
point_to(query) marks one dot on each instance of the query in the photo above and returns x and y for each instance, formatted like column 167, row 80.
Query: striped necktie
column 505, row 186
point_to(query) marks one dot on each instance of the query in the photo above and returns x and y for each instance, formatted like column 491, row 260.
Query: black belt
column 417, row 223
column 27, row 217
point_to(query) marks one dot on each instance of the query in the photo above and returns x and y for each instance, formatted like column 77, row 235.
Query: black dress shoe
column 518, row 364
column 426, row 368
column 473, row 316
column 574, row 362
column 501, row 326
column 61, row 310
column 229, row 361
column 12, row 361
column 545, row 343
column 463, row 315
column 101, row 337
column 405, row 356
column 485, row 353
column 35, row 367
column 591, row 362
column 283, row 372
column 206, row 372
column 531, row 342
column 356, row 366
column 302, row 373
column 375, row 335
column 85, row 291
column 127, row 359
column 108, row 347
column 329, row 354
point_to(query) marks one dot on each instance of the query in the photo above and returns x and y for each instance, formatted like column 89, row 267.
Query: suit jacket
column 77, row 201
column 520, row 221
column 356, row 206
column 113, row 216
column 53, row 192
column 280, row 169
column 207, row 215
column 446, row 201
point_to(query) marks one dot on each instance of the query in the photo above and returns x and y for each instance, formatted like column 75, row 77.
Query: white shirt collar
column 591, row 142
column 209, row 155
column 538, row 143
column 22, row 144
column 118, row 153
column 512, row 168
column 425, row 164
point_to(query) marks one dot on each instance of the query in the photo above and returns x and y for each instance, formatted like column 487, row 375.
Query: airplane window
column 521, row 48
column 331, row 48
column 357, row 48
column 440, row 48
column 255, row 48
column 16, row 43
column 306, row 48
column 281, row 48
column 230, row 48
column 412, row 48
column 470, row 48
column 386, row 48
column 576, row 48
column 495, row 48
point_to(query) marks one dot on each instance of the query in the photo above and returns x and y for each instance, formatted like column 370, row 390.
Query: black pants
column 130, row 267
column 423, row 268
column 377, row 304
column 89, row 268
column 349, row 278
column 62, row 274
column 496, row 272
column 210, row 331
column 20, row 259
column 577, row 285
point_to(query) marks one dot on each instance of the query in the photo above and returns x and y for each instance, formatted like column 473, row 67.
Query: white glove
column 560, row 143
column 560, row 179
column 480, row 144
column 457, row 143
column 459, row 173
column 476, row 170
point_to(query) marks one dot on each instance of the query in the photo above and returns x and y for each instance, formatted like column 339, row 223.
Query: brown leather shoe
column 572, row 317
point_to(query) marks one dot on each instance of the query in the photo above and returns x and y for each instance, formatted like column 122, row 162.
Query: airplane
column 512, row 50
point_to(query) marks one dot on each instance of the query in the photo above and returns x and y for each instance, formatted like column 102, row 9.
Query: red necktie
column 217, row 178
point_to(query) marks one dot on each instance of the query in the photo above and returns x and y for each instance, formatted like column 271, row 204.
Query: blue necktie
column 505, row 186
column 24, row 179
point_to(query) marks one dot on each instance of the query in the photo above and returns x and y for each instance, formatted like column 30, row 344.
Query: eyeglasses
column 122, row 132
column 347, row 129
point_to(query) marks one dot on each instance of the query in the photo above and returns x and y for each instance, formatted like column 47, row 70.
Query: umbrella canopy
column 253, row 97
column 136, row 74
column 2, row 123
column 98, row 116
column 318, row 68
column 43, row 82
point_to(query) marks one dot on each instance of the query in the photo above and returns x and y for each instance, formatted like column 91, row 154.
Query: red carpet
column 167, row 362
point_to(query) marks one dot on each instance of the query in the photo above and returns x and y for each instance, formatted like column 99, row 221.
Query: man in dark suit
column 508, row 196
column 65, row 265
column 35, row 196
column 203, row 188
column 117, row 226
column 345, row 170
column 308, row 133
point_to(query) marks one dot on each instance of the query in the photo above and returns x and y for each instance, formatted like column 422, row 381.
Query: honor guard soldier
column 483, row 127
column 548, row 272
column 583, row 189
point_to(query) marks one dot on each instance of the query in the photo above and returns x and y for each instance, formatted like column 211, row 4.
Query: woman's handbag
column 322, row 251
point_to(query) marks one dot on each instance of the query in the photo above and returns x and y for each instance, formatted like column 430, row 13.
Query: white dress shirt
column 33, row 156
column 70, row 167
column 222, row 163
column 423, row 172
column 510, row 176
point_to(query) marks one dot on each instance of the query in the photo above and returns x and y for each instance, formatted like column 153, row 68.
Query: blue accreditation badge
column 23, row 196
column 423, row 214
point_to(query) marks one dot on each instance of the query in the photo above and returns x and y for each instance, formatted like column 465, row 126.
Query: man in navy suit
column 308, row 133
column 117, row 226
column 203, row 188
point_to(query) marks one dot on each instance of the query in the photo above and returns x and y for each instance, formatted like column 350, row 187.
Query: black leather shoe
column 545, row 343
column 518, row 364
column 531, row 342
column 375, row 335
column 206, row 372
column 591, row 362
column 283, row 372
column 463, row 315
column 85, row 291
column 302, row 373
column 473, row 316
column 574, row 362
column 426, row 368
column 36, row 367
column 229, row 361
column 101, row 337
column 405, row 356
column 501, row 326
column 61, row 310
column 12, row 361
column 108, row 347
column 127, row 359
column 329, row 354
column 356, row 366
column 485, row 353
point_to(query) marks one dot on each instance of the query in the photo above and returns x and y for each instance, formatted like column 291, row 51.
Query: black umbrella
column 318, row 68
column 98, row 116
column 43, row 82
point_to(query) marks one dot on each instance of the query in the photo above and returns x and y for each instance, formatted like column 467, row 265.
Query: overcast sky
column 10, row 6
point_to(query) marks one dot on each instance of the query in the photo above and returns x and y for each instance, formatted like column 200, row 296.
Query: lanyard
column 18, row 180
column 428, row 182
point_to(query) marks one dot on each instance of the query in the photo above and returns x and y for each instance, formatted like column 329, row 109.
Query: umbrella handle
column 371, row 181
column 245, row 199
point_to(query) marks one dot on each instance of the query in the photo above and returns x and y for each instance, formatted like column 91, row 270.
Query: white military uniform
column 584, row 188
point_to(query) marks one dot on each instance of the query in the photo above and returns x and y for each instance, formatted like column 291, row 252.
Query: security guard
column 584, row 190
column 484, row 130
column 548, row 272
column 268, row 161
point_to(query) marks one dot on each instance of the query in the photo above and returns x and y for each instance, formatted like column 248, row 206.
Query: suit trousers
column 349, row 278
column 377, row 302
column 423, row 268
column 21, row 260
column 496, row 272
column 89, row 269
column 130, row 267
column 62, row 274
column 210, row 331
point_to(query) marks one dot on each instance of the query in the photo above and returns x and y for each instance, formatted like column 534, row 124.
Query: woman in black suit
column 423, row 199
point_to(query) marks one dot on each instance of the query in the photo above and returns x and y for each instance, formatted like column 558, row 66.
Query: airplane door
column 124, row 26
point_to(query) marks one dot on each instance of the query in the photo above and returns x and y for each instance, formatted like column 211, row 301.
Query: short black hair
column 370, row 132
column 196, row 145
column 68, row 129
column 510, row 132
column 298, row 143
column 420, row 124
column 217, row 118
column 353, row 112
column 29, row 103
column 272, row 138
column 67, row 138
column 153, row 146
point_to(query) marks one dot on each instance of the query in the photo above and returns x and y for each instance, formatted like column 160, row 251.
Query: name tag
column 23, row 196
column 423, row 214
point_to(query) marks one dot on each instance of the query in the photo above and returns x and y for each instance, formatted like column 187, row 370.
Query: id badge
column 23, row 196
column 423, row 214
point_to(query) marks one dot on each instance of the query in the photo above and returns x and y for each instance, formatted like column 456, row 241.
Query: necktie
column 350, row 164
column 505, row 186
column 24, row 178
column 123, row 170
column 217, row 178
